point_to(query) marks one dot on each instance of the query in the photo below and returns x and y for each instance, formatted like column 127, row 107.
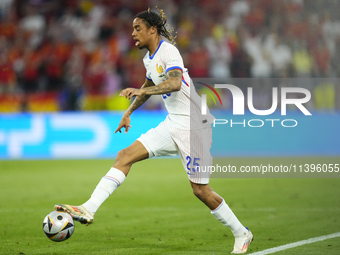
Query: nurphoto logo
column 239, row 105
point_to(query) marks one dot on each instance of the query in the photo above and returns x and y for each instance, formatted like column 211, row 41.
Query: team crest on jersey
column 160, row 71
column 159, row 68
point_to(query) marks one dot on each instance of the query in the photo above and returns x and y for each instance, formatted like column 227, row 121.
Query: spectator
column 7, row 75
column 280, row 54
column 240, row 66
column 30, row 73
column 324, row 96
column 322, row 59
column 261, row 66
column 33, row 24
column 198, row 63
column 219, row 53
column 302, row 60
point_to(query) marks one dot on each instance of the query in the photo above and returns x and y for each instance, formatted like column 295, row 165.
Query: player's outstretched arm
column 172, row 84
column 139, row 100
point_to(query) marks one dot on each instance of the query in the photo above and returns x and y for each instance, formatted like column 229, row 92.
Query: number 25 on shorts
column 195, row 164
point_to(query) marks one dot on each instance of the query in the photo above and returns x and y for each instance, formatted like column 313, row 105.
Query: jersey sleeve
column 148, row 73
column 172, row 59
column 148, row 76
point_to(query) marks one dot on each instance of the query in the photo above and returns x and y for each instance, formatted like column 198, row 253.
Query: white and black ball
column 58, row 226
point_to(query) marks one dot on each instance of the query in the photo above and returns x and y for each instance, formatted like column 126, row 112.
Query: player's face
column 141, row 34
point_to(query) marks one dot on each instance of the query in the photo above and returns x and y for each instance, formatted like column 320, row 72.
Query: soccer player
column 185, row 131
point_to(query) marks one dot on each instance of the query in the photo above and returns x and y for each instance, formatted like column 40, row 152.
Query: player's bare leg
column 206, row 194
column 130, row 155
column 112, row 180
column 222, row 212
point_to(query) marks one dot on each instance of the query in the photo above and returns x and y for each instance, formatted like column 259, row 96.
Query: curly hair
column 152, row 19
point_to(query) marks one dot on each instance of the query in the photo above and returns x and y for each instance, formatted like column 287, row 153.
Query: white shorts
column 193, row 146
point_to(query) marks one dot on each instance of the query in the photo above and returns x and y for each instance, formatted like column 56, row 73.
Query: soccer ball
column 58, row 226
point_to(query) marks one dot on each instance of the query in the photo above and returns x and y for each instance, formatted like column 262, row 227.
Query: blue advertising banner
column 69, row 135
column 91, row 135
column 276, row 135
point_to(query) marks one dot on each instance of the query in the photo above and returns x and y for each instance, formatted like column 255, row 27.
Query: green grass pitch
column 155, row 212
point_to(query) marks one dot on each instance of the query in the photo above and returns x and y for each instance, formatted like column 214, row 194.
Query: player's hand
column 124, row 123
column 130, row 92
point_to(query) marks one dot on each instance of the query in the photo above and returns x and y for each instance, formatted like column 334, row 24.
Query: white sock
column 226, row 216
column 112, row 180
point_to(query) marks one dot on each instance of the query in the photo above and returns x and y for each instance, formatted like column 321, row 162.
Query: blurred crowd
column 66, row 55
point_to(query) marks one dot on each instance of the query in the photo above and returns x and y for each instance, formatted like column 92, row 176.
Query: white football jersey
column 183, row 106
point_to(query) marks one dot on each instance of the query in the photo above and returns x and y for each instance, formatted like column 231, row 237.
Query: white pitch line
column 296, row 244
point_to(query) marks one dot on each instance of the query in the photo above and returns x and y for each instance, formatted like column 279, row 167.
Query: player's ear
column 153, row 29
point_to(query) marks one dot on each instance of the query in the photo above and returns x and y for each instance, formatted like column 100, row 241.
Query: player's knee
column 122, row 158
column 201, row 191
column 198, row 191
